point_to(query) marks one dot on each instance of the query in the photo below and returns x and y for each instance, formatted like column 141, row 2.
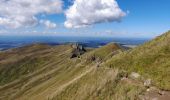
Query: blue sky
column 143, row 18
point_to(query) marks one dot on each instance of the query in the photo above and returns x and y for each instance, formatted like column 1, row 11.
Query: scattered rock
column 124, row 78
column 161, row 92
column 91, row 58
column 98, row 60
column 147, row 83
column 134, row 75
column 123, row 74
column 148, row 90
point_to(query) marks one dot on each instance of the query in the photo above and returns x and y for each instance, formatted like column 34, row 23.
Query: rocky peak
column 77, row 50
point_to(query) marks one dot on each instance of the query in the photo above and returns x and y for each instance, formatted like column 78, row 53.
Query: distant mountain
column 111, row 72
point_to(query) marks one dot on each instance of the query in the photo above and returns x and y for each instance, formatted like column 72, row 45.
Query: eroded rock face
column 77, row 50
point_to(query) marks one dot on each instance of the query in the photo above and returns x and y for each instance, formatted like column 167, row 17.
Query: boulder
column 147, row 83
column 161, row 92
column 134, row 75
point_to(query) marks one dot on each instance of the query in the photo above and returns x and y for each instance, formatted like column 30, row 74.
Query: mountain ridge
column 42, row 72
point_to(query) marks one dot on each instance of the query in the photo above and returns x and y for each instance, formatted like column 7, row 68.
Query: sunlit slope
column 21, row 61
column 151, row 59
column 30, row 66
column 40, row 72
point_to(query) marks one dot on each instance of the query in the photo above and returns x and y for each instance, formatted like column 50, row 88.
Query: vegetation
column 12, row 72
column 151, row 59
column 42, row 72
column 103, row 53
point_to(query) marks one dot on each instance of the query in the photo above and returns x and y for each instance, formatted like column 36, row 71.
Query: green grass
column 41, row 70
column 101, row 84
column 151, row 59
column 15, row 71
column 103, row 53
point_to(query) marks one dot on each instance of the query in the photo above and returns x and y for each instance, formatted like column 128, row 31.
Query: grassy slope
column 27, row 67
column 18, row 62
column 151, row 59
column 103, row 53
column 100, row 84
column 41, row 72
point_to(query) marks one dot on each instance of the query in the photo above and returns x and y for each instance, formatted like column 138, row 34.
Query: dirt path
column 54, row 89
column 70, row 82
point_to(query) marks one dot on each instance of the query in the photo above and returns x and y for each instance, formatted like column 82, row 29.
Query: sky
column 103, row 18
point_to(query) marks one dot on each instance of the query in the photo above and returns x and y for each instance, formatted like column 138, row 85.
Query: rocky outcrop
column 77, row 50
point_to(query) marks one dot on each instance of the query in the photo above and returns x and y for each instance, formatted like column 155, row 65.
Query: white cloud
column 87, row 12
column 48, row 24
column 22, row 13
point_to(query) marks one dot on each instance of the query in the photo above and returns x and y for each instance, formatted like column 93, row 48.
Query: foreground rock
column 134, row 75
column 148, row 83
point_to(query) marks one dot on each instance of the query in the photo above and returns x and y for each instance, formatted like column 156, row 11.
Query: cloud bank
column 22, row 13
column 88, row 12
